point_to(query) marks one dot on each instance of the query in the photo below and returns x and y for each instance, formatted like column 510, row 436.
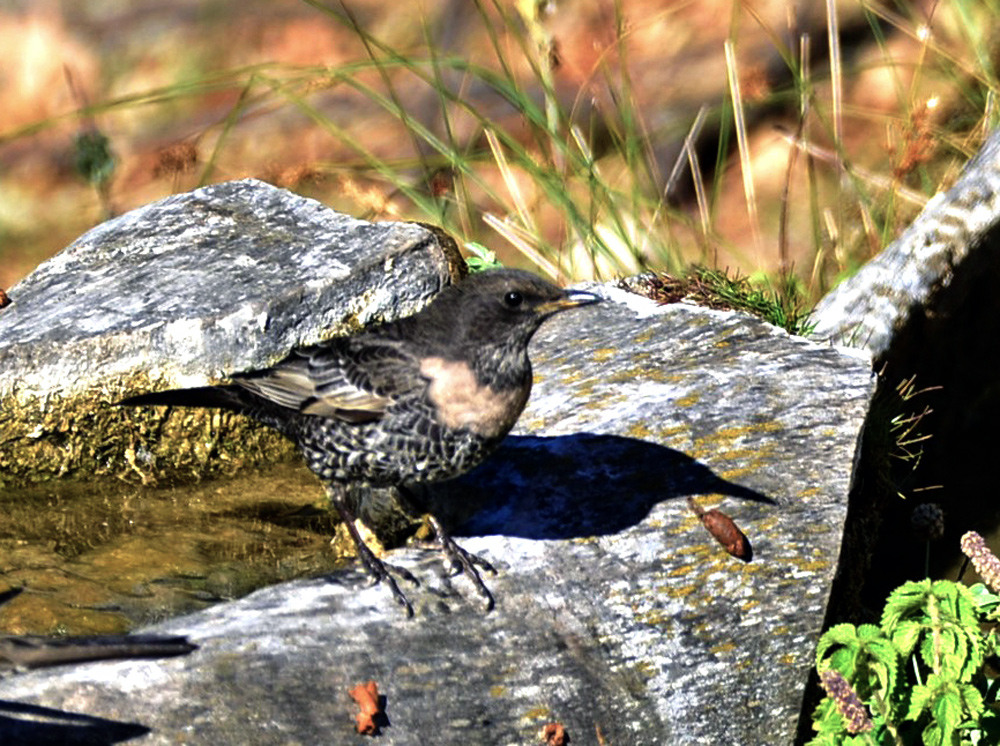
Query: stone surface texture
column 618, row 615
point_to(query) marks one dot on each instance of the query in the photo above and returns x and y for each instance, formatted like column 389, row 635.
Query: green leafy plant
column 481, row 258
column 918, row 676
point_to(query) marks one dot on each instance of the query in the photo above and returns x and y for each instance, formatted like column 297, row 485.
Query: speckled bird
column 418, row 400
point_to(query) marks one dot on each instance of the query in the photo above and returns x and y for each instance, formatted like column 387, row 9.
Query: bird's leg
column 378, row 569
column 463, row 561
column 459, row 560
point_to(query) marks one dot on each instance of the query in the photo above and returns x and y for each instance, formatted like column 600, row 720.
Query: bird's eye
column 513, row 299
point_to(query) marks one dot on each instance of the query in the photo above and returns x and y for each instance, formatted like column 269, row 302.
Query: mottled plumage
column 422, row 399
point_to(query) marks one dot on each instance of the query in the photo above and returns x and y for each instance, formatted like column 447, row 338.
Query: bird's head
column 490, row 316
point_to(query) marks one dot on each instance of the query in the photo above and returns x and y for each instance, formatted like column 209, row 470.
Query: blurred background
column 584, row 138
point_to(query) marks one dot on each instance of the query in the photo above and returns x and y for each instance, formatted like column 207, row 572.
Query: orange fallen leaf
column 367, row 697
column 725, row 531
column 555, row 734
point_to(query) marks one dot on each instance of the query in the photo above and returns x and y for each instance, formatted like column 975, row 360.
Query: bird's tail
column 219, row 397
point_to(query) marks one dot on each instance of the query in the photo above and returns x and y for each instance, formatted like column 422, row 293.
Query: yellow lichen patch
column 768, row 522
column 498, row 690
column 645, row 336
column 644, row 669
column 727, row 443
column 680, row 591
column 605, row 401
column 682, row 570
column 572, row 376
column 809, row 566
column 733, row 433
column 654, row 617
column 535, row 423
column 638, row 430
column 734, row 475
column 688, row 524
column 603, row 354
column 722, row 647
column 643, row 374
column 536, row 713
column 688, row 401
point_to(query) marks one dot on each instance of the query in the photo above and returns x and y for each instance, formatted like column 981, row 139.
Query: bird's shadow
column 573, row 486
column 40, row 726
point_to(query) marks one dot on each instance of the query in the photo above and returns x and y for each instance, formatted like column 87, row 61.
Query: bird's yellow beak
column 570, row 299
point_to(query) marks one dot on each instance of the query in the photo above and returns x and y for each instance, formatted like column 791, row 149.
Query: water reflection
column 104, row 558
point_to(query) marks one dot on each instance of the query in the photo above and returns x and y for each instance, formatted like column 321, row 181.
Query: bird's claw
column 380, row 571
column 462, row 561
column 377, row 569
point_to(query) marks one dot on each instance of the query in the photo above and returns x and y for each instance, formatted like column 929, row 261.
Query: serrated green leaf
column 945, row 652
column 846, row 660
column 968, row 612
column 907, row 601
column 824, row 739
column 932, row 735
column 884, row 664
column 947, row 710
column 839, row 635
column 975, row 655
column 947, row 594
column 905, row 637
column 827, row 719
column 919, row 702
column 972, row 701
column 954, row 650
column 869, row 632
column 982, row 595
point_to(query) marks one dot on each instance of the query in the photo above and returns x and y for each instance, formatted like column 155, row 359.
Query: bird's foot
column 461, row 561
column 380, row 571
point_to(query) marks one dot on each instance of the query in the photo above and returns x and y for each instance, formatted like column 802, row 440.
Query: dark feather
column 219, row 397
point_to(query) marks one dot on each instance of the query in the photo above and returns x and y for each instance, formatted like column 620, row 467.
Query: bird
column 23, row 652
column 411, row 402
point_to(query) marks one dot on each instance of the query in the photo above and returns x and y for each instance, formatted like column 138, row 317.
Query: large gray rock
column 617, row 614
column 183, row 292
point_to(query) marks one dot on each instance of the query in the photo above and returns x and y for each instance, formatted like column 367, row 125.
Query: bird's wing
column 341, row 379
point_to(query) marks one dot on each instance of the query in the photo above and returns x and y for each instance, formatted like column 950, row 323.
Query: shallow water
column 104, row 557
